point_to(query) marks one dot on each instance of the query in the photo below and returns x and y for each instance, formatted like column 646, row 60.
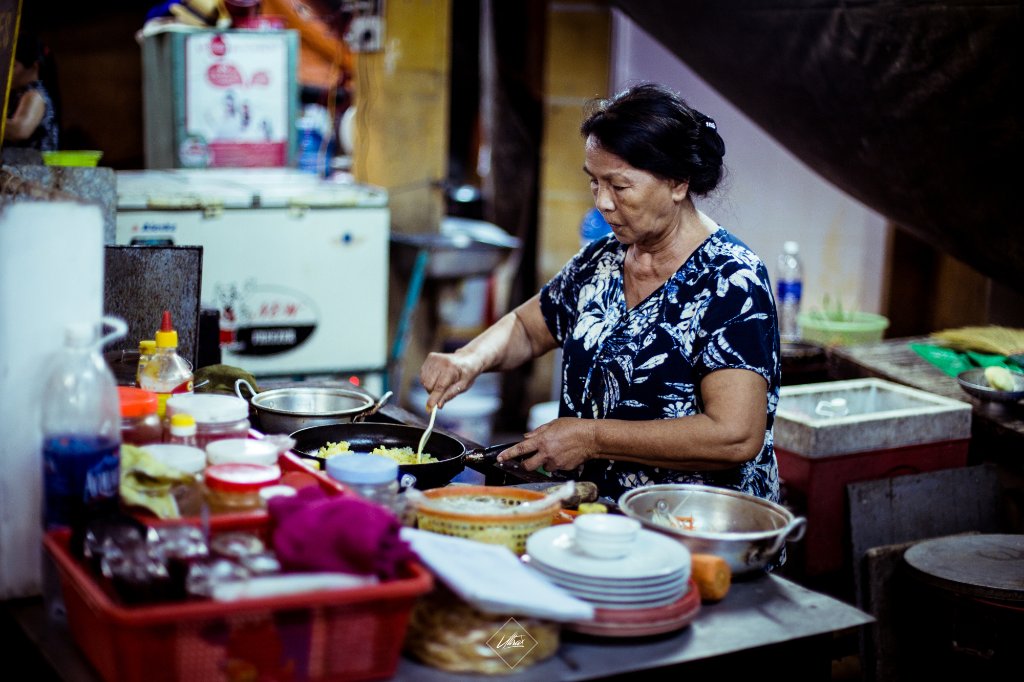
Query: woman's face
column 640, row 207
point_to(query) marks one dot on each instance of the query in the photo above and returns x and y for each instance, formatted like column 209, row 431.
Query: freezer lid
column 240, row 188
column 174, row 190
column 284, row 187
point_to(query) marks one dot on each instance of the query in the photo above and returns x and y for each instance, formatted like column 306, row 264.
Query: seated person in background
column 32, row 118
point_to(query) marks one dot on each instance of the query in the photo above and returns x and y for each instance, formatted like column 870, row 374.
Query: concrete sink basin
column 859, row 415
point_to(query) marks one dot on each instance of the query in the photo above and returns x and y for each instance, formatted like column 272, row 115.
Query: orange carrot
column 712, row 575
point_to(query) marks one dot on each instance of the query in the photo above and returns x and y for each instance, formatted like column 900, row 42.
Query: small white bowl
column 605, row 536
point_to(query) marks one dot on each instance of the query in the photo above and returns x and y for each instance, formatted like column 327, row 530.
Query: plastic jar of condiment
column 181, row 457
column 236, row 487
column 372, row 477
column 189, row 497
column 243, row 450
column 146, row 348
column 217, row 416
column 140, row 423
column 183, row 430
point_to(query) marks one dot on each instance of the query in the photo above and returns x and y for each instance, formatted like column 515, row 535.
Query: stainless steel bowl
column 973, row 381
column 286, row 410
column 747, row 531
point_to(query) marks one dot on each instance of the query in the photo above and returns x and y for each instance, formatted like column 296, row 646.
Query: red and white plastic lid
column 241, row 478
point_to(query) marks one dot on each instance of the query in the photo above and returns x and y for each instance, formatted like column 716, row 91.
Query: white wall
column 768, row 195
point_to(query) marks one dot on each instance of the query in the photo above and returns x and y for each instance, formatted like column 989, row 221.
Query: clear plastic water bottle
column 81, row 434
column 593, row 226
column 310, row 140
column 789, row 290
column 316, row 143
column 81, row 426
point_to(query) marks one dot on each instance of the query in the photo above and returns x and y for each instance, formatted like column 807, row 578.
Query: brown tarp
column 913, row 108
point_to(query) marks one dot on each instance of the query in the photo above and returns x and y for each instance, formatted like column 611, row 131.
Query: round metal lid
column 987, row 566
column 312, row 401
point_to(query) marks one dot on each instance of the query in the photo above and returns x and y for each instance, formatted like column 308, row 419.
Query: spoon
column 426, row 434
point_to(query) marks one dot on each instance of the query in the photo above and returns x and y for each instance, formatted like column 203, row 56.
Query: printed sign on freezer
column 236, row 100
column 263, row 319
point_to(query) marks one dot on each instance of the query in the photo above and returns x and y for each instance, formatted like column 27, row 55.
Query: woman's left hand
column 562, row 444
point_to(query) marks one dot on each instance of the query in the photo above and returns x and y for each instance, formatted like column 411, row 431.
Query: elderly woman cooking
column 668, row 330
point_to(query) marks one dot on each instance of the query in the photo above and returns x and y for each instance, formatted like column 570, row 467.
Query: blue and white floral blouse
column 717, row 311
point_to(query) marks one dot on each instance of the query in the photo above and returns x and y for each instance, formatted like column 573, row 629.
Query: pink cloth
column 317, row 532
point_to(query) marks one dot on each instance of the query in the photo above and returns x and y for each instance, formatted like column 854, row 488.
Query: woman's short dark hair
column 29, row 50
column 654, row 129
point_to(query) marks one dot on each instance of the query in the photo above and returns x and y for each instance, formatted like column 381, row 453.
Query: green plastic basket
column 815, row 327
column 79, row 157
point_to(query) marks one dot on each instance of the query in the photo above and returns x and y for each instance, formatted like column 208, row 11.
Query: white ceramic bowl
column 605, row 536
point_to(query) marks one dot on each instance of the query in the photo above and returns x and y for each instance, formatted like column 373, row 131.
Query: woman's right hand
column 445, row 375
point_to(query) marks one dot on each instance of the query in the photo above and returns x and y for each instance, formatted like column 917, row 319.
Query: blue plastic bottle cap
column 362, row 469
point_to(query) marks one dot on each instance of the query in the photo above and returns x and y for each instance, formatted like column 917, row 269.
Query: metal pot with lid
column 286, row 410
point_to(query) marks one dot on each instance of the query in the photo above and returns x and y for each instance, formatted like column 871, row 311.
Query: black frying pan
column 365, row 436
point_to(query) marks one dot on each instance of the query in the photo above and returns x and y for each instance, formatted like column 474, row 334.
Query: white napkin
column 291, row 583
column 493, row 579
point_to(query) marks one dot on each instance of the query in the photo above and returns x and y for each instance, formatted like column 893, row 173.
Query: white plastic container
column 241, row 450
column 373, row 477
column 217, row 416
column 181, row 457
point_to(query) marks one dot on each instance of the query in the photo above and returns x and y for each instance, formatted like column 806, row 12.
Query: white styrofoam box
column 51, row 275
column 861, row 415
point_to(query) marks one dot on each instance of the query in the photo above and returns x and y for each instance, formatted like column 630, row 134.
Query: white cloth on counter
column 291, row 583
column 493, row 579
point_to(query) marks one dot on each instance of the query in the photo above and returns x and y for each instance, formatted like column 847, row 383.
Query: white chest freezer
column 296, row 265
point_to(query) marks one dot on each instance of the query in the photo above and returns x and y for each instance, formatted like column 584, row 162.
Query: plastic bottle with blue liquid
column 81, row 424
column 593, row 226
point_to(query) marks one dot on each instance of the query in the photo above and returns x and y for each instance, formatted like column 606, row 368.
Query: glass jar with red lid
column 140, row 424
column 235, row 487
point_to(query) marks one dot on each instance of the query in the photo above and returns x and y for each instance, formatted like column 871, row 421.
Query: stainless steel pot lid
column 309, row 401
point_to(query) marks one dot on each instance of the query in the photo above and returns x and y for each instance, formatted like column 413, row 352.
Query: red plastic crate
column 328, row 636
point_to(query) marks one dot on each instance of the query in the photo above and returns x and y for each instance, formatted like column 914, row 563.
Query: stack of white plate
column 655, row 572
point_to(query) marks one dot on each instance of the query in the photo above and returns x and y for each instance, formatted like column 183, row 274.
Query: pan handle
column 489, row 453
column 791, row 533
column 375, row 408
column 238, row 389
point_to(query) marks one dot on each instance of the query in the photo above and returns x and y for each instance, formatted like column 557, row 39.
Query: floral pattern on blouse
column 717, row 311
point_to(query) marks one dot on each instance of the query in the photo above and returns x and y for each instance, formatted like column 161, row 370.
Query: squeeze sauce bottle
column 166, row 373
column 146, row 347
